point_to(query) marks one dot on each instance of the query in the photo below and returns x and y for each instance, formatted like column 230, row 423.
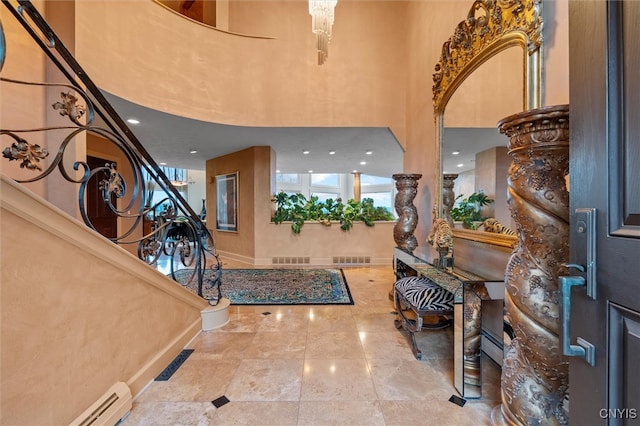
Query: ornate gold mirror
column 490, row 65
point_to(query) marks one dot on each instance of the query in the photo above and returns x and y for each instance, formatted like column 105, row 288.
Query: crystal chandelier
column 322, row 14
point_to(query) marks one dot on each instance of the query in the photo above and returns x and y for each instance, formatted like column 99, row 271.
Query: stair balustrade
column 168, row 228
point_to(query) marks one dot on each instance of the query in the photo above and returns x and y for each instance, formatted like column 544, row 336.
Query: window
column 336, row 185
column 324, row 185
column 368, row 180
column 288, row 178
column 325, row 179
column 380, row 189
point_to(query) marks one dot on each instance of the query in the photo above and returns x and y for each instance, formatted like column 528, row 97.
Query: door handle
column 583, row 349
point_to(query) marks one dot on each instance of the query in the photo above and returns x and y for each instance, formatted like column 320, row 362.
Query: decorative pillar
column 535, row 373
column 448, row 197
column 406, row 184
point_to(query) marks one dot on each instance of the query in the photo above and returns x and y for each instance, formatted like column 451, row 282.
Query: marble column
column 535, row 373
column 406, row 184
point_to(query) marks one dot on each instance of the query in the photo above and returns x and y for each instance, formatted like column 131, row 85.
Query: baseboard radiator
column 351, row 260
column 109, row 409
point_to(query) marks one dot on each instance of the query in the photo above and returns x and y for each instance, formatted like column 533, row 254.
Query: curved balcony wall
column 147, row 54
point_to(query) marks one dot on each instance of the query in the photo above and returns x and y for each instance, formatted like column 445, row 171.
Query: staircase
column 82, row 313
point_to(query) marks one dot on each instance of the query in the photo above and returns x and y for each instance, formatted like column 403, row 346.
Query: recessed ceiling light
column 455, row 153
column 331, row 152
column 306, row 151
column 355, row 171
column 369, row 152
column 460, row 165
column 310, row 171
column 133, row 121
column 277, row 171
column 163, row 164
column 362, row 163
column 193, row 151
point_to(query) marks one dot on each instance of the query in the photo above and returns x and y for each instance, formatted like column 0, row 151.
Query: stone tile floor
column 317, row 365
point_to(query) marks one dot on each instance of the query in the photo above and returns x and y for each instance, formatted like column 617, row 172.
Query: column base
column 215, row 316
column 500, row 418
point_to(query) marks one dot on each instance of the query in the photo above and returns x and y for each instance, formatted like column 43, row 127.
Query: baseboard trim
column 147, row 374
column 237, row 257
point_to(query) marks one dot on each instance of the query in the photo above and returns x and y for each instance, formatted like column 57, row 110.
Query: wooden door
column 103, row 219
column 605, row 176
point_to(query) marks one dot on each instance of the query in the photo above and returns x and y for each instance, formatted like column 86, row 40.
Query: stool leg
column 409, row 325
column 414, row 346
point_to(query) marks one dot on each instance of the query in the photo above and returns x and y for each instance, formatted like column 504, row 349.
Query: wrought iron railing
column 176, row 234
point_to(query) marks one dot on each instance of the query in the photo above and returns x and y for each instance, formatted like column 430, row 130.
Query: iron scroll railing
column 176, row 232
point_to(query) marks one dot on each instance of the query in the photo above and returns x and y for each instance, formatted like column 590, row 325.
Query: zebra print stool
column 424, row 298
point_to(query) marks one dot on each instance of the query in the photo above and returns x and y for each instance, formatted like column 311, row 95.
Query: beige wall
column 556, row 52
column 78, row 314
column 254, row 167
column 203, row 73
column 492, row 166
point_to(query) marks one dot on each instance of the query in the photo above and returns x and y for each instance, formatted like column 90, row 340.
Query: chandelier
column 322, row 15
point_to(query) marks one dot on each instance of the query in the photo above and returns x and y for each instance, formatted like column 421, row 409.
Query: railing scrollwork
column 176, row 233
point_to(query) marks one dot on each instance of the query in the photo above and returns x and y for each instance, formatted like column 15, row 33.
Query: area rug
column 278, row 286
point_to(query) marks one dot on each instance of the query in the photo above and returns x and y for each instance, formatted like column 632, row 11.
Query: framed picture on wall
column 227, row 202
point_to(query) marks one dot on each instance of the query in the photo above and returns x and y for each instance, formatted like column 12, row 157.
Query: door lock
column 584, row 247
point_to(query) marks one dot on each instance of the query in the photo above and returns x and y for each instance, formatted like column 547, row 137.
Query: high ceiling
column 170, row 139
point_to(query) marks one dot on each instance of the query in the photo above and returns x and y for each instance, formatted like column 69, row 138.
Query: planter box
column 319, row 244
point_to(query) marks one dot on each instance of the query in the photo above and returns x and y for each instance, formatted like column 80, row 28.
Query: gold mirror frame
column 491, row 26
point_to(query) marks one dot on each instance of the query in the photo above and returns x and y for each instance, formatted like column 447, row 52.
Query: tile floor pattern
column 317, row 365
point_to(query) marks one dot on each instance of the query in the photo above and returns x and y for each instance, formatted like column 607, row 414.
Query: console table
column 471, row 334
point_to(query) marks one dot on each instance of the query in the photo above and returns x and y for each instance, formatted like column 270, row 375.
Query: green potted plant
column 469, row 210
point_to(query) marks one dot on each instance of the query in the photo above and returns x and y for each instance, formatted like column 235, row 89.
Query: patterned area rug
column 278, row 286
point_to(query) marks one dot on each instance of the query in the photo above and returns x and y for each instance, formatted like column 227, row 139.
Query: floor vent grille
column 175, row 364
column 351, row 260
column 287, row 260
